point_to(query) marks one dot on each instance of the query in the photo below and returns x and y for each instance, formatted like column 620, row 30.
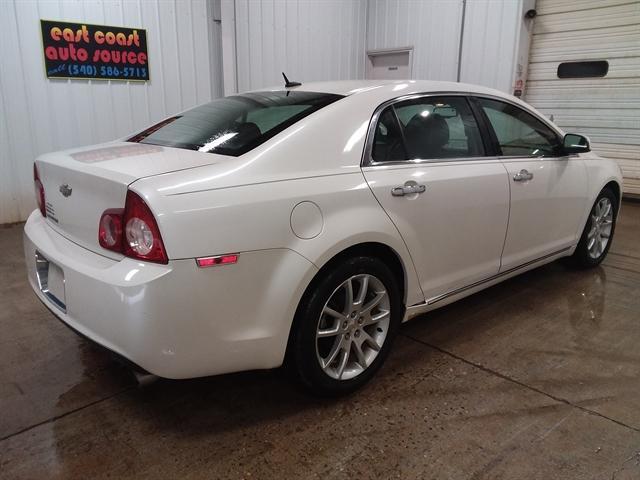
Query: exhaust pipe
column 141, row 376
column 144, row 379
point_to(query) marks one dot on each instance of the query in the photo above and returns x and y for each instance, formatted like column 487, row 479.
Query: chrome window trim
column 368, row 161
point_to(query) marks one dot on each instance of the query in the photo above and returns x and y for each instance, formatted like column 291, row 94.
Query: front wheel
column 598, row 232
column 344, row 326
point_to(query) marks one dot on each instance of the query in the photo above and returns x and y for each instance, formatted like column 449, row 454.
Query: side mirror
column 574, row 143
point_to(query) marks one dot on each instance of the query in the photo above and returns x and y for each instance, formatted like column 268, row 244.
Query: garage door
column 605, row 108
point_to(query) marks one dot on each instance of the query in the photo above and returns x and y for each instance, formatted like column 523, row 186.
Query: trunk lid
column 81, row 184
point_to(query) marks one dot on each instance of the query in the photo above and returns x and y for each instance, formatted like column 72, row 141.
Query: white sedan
column 302, row 225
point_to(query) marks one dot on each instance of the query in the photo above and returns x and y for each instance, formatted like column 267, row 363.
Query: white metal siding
column 39, row 115
column 606, row 109
column 490, row 42
column 431, row 28
column 307, row 39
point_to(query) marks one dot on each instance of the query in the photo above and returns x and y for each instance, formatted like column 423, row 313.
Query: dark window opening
column 583, row 69
column 388, row 144
column 427, row 128
column 518, row 132
column 234, row 125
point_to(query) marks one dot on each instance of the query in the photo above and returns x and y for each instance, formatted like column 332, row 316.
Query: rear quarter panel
column 259, row 217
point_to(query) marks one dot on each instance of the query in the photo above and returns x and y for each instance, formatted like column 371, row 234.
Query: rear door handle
column 522, row 176
column 407, row 190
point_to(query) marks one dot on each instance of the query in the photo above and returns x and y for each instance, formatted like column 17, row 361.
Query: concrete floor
column 538, row 377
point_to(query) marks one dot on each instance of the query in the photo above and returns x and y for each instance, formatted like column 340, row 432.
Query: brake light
column 141, row 237
column 133, row 231
column 39, row 191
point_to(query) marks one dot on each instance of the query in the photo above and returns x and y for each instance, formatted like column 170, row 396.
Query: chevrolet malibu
column 302, row 225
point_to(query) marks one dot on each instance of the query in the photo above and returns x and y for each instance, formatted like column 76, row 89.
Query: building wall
column 495, row 42
column 307, row 39
column 488, row 43
column 243, row 44
column 432, row 28
column 328, row 39
column 39, row 115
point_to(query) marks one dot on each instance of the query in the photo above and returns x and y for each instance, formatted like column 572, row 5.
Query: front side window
column 427, row 128
column 234, row 125
column 520, row 133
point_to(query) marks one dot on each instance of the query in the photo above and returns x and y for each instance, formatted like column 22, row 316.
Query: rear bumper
column 175, row 320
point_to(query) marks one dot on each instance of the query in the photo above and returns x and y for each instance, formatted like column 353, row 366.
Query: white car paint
column 474, row 230
column 560, row 186
column 180, row 321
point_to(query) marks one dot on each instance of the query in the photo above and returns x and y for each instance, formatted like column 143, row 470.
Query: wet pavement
column 538, row 377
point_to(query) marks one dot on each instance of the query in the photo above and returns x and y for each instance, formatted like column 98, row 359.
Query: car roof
column 379, row 91
column 394, row 88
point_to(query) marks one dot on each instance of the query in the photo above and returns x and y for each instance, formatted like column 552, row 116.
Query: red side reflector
column 218, row 260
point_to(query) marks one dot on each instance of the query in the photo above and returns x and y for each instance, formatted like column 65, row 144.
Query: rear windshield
column 234, row 125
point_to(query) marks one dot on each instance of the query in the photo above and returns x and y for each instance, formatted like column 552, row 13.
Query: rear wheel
column 344, row 326
column 598, row 232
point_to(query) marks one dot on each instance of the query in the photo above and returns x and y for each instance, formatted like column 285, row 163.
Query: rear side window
column 234, row 125
column 427, row 128
column 388, row 145
column 520, row 133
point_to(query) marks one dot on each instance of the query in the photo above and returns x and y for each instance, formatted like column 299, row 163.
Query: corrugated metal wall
column 432, row 28
column 490, row 43
column 490, row 38
column 606, row 109
column 39, row 115
column 312, row 40
column 308, row 39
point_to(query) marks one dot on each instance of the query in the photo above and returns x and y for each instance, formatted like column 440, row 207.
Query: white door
column 448, row 202
column 548, row 190
column 584, row 69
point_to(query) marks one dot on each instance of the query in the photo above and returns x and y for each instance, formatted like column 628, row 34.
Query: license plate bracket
column 51, row 281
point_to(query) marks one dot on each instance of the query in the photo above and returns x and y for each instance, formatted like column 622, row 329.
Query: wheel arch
column 616, row 188
column 378, row 250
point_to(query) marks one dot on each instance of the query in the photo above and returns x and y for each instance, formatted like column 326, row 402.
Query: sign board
column 82, row 50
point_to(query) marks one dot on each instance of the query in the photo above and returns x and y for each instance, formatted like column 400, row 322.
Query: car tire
column 339, row 340
column 598, row 232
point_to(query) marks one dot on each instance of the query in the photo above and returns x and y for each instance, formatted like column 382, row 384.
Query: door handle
column 522, row 176
column 407, row 190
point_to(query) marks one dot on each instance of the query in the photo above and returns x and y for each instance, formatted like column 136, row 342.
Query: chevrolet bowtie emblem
column 65, row 190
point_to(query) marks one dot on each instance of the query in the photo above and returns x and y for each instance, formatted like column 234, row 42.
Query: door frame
column 483, row 124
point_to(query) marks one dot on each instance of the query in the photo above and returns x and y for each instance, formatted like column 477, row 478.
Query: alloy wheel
column 601, row 226
column 352, row 327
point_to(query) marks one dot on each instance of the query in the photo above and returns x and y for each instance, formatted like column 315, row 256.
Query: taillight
column 110, row 230
column 141, row 233
column 39, row 190
column 133, row 231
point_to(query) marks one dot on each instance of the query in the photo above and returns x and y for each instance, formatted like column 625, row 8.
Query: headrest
column 248, row 131
column 430, row 132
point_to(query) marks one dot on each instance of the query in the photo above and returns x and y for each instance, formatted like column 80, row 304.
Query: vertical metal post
column 464, row 11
